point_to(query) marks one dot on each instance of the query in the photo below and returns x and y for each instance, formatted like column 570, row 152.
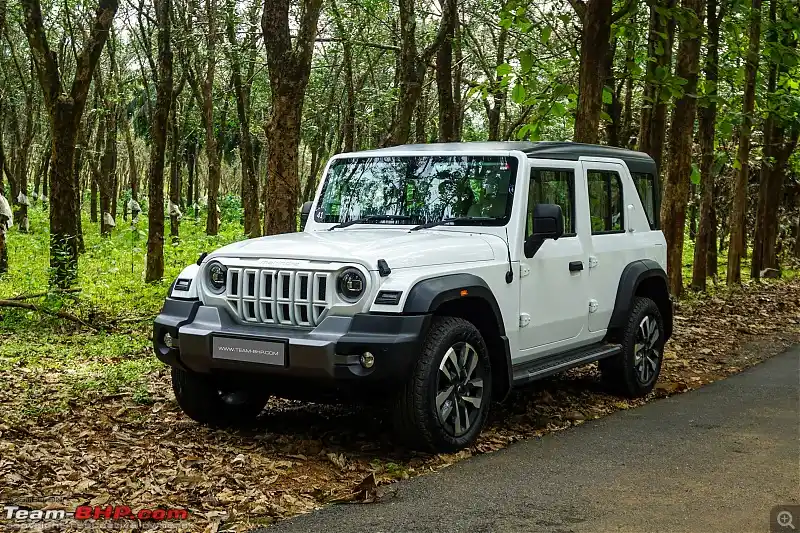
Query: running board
column 553, row 364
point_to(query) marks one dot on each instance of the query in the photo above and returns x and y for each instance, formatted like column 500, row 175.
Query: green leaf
column 695, row 177
column 504, row 69
column 523, row 131
column 518, row 93
column 545, row 35
column 558, row 109
column 605, row 116
column 526, row 60
column 607, row 96
column 737, row 165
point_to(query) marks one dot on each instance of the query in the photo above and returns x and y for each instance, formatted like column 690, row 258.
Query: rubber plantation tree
column 738, row 219
column 706, row 233
column 242, row 89
column 781, row 51
column 158, row 132
column 65, row 105
column 596, row 17
column 203, row 91
column 676, row 186
column 653, row 123
column 289, row 69
column 412, row 67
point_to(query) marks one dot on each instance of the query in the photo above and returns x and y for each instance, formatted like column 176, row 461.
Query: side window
column 605, row 201
column 646, row 187
column 553, row 187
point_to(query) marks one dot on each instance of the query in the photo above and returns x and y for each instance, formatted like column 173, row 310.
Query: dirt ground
column 113, row 449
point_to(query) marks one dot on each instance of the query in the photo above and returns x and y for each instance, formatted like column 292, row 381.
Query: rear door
column 553, row 283
column 611, row 245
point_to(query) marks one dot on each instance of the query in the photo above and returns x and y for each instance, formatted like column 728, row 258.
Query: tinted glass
column 605, row 201
column 553, row 187
column 645, row 186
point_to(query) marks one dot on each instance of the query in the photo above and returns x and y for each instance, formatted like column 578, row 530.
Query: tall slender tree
column 289, row 69
column 676, row 186
column 65, row 109
column 738, row 219
column 412, row 68
column 653, row 123
column 158, row 132
column 706, row 232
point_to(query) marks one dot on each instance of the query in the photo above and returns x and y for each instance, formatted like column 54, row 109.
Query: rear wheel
column 213, row 402
column 635, row 371
column 445, row 403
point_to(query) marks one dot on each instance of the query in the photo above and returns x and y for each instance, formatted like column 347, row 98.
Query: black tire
column 635, row 371
column 217, row 404
column 417, row 419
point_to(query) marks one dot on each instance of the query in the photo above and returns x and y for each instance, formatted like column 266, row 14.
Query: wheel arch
column 647, row 279
column 469, row 297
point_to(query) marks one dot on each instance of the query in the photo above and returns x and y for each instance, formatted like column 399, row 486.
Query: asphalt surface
column 712, row 460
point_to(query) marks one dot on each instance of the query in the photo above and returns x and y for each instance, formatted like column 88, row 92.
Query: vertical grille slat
column 279, row 297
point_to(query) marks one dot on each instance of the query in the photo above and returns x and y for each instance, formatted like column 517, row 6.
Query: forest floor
column 88, row 417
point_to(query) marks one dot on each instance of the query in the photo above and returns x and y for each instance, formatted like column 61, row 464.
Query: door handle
column 575, row 266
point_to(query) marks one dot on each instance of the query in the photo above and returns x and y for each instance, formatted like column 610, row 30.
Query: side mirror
column 304, row 212
column 548, row 223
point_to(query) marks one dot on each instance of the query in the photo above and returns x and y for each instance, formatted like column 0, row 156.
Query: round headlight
column 351, row 285
column 217, row 274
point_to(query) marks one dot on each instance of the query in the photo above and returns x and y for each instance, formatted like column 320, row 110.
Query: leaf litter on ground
column 88, row 428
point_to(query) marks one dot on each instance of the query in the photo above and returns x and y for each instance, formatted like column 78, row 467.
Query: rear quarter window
column 646, row 187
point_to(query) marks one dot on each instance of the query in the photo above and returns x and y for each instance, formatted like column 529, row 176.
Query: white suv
column 434, row 278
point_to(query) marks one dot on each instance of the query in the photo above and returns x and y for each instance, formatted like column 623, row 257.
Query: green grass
column 111, row 271
column 111, row 278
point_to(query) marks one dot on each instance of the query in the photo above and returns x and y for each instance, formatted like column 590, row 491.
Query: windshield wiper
column 453, row 220
column 371, row 218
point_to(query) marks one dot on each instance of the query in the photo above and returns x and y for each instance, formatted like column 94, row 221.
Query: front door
column 553, row 282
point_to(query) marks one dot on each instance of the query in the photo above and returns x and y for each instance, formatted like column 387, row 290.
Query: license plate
column 249, row 350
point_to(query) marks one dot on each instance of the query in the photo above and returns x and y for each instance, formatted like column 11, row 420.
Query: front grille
column 281, row 297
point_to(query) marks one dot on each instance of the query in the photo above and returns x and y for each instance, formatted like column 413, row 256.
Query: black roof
column 568, row 151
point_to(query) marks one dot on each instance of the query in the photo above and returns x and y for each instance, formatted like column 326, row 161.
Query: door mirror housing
column 548, row 223
column 304, row 212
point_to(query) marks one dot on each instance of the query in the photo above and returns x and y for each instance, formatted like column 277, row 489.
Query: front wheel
column 445, row 402
column 215, row 403
column 635, row 371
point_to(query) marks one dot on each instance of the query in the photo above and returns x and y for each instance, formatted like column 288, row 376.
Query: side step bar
column 553, row 364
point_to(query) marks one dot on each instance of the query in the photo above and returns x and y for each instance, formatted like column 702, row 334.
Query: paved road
column 712, row 460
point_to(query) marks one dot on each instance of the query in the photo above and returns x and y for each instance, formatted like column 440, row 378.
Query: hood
column 399, row 248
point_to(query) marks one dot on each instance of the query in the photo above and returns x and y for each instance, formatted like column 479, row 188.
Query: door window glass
column 553, row 187
column 605, row 201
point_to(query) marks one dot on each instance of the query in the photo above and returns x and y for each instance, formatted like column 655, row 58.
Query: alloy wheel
column 459, row 388
column 646, row 351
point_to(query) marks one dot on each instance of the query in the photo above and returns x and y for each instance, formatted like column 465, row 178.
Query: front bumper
column 330, row 352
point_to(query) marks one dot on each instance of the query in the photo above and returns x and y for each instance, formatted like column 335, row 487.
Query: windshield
column 417, row 190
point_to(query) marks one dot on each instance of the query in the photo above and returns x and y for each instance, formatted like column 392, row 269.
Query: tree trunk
column 594, row 47
column 653, row 125
column 289, row 70
column 676, row 186
column 65, row 110
column 706, row 232
column 174, row 176
column 155, row 187
column 776, row 155
column 252, row 222
column 448, row 114
column 413, row 66
column 133, row 170
column 738, row 219
column 107, row 170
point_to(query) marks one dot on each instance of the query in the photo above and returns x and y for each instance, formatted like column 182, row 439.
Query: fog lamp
column 367, row 360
